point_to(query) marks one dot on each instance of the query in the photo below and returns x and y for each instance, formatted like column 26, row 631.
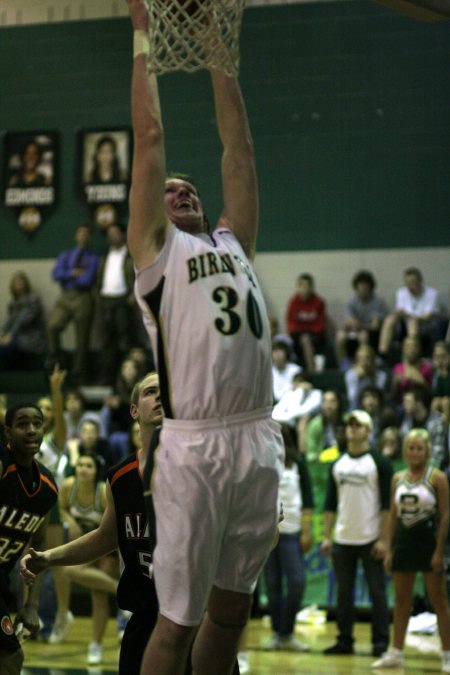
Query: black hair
column 99, row 464
column 14, row 409
column 76, row 393
column 280, row 344
column 26, row 145
column 420, row 394
column 373, row 391
column 24, row 278
column 105, row 139
column 413, row 271
column 88, row 226
column 339, row 400
column 119, row 226
column 306, row 277
column 364, row 277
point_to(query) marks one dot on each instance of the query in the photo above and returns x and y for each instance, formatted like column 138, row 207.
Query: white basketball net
column 194, row 34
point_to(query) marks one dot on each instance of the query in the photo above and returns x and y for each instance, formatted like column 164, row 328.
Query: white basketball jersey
column 207, row 322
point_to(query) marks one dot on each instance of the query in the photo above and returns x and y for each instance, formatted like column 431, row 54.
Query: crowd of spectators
column 393, row 364
column 393, row 367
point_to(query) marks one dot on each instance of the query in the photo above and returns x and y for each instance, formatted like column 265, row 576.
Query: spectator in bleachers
column 306, row 321
column 82, row 502
column 440, row 388
column 390, row 446
column 284, row 571
column 283, row 370
column 75, row 412
column 116, row 303
column 115, row 412
column 273, row 326
column 363, row 374
column 143, row 358
column 124, row 443
column 412, row 372
column 417, row 414
column 91, row 443
column 417, row 313
column 76, row 272
column 372, row 401
column 364, row 314
column 23, row 332
column 297, row 406
column 327, row 429
column 52, row 454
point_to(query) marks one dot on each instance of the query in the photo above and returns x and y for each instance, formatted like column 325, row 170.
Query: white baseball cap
column 362, row 417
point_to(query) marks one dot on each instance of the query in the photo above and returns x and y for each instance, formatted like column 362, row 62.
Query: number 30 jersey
column 205, row 314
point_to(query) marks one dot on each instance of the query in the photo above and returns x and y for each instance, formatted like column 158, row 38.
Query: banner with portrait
column 104, row 167
column 29, row 175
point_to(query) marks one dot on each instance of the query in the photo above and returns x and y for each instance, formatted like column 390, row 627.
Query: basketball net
column 191, row 35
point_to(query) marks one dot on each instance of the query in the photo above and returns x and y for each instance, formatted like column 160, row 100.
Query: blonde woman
column 419, row 522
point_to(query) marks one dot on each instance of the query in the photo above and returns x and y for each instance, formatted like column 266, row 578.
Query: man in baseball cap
column 357, row 503
column 361, row 417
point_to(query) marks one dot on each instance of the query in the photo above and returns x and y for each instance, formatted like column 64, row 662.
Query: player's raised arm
column 239, row 182
column 148, row 220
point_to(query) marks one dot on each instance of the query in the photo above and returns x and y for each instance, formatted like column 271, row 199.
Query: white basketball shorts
column 215, row 492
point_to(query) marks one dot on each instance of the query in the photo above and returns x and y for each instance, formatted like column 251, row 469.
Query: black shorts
column 8, row 639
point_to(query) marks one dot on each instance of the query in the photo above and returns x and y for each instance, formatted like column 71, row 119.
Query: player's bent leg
column 217, row 640
column 11, row 662
column 168, row 648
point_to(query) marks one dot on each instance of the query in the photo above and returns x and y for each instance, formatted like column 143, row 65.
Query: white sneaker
column 95, row 654
column 291, row 644
column 273, row 643
column 390, row 659
column 61, row 628
column 243, row 661
column 445, row 664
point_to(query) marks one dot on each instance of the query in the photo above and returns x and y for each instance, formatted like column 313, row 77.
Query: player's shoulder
column 6, row 460
column 46, row 476
column 122, row 468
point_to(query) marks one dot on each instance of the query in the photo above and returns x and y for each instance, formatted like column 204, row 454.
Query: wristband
column 141, row 43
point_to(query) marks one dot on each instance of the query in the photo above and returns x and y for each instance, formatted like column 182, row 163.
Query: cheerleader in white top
column 419, row 522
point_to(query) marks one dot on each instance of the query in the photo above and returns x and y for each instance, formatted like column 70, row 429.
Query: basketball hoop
column 190, row 35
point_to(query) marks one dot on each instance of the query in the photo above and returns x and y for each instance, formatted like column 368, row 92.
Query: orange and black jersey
column 26, row 496
column 136, row 590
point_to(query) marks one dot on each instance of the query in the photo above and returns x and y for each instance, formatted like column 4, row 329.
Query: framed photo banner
column 104, row 167
column 29, row 175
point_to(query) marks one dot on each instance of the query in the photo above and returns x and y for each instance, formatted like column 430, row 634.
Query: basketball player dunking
column 215, row 483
